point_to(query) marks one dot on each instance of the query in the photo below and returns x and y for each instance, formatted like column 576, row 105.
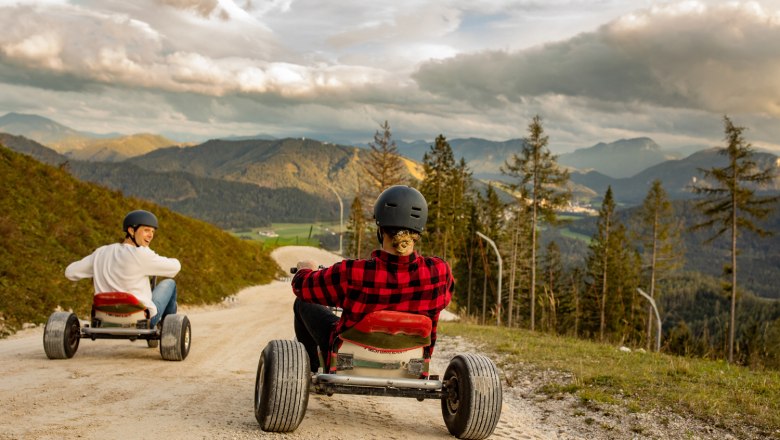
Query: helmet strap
column 379, row 237
column 132, row 236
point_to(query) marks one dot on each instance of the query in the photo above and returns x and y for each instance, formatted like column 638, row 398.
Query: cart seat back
column 386, row 344
column 118, row 309
column 391, row 331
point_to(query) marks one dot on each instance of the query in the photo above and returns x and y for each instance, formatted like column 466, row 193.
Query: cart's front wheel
column 471, row 405
column 282, row 386
column 61, row 335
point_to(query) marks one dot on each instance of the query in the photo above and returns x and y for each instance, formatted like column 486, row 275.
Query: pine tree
column 598, row 259
column 446, row 187
column 356, row 225
column 538, row 173
column 659, row 232
column 730, row 203
column 384, row 166
column 519, row 232
column 552, row 283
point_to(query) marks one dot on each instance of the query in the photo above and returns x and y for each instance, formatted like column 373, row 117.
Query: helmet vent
column 391, row 205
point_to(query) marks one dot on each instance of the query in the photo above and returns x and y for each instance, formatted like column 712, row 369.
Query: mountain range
column 223, row 203
column 319, row 168
column 81, row 145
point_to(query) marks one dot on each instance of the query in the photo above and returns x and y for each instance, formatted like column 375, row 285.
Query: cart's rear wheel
column 471, row 405
column 282, row 386
column 61, row 335
column 176, row 338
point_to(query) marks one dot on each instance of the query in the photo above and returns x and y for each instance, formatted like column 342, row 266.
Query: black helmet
column 138, row 218
column 401, row 207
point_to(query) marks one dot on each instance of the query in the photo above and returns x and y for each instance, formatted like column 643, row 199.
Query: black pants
column 313, row 325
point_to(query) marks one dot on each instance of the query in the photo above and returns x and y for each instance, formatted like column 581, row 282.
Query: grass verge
column 716, row 392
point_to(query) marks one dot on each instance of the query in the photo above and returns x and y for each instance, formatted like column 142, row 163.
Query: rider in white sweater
column 127, row 266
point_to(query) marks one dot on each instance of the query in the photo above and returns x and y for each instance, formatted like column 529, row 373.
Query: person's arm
column 443, row 299
column 326, row 286
column 158, row 265
column 80, row 269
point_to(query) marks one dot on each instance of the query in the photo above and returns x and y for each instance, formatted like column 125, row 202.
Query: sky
column 594, row 71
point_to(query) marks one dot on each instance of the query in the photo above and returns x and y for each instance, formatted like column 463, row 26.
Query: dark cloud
column 719, row 59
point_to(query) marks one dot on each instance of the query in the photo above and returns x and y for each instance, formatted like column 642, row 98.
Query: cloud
column 722, row 58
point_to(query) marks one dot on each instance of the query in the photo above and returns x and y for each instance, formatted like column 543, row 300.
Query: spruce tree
column 731, row 204
column 384, row 166
column 356, row 225
column 446, row 187
column 659, row 233
column 552, row 283
column 544, row 181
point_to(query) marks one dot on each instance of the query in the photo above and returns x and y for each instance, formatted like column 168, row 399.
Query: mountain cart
column 117, row 315
column 386, row 354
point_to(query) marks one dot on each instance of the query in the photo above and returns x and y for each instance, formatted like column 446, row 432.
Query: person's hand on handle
column 307, row 264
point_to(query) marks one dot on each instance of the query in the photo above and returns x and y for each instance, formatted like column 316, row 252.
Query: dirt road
column 118, row 389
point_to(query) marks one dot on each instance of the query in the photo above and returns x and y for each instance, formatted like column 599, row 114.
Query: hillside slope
column 119, row 148
column 305, row 164
column 49, row 219
column 223, row 203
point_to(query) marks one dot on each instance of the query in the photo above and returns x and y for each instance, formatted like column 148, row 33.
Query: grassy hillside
column 304, row 164
column 735, row 398
column 49, row 219
column 118, row 148
column 224, row 203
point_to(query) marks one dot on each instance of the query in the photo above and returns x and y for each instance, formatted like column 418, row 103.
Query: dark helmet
column 401, row 207
column 138, row 218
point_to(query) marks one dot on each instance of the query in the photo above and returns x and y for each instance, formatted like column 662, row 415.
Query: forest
column 581, row 276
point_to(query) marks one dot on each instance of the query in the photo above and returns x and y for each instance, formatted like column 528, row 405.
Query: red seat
column 117, row 302
column 392, row 322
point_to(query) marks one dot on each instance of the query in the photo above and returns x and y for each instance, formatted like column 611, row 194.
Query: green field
column 288, row 234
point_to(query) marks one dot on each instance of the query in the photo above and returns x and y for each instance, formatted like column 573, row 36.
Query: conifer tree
column 356, row 225
column 538, row 173
column 659, row 233
column 598, row 259
column 519, row 232
column 384, row 166
column 731, row 204
column 552, row 272
column 446, row 187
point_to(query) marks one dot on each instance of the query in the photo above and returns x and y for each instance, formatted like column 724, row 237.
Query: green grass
column 714, row 391
column 575, row 235
column 302, row 234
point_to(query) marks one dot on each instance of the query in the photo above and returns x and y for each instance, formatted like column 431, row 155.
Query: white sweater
column 122, row 267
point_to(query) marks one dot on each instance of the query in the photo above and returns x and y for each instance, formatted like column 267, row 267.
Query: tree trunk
column 732, row 321
column 603, row 322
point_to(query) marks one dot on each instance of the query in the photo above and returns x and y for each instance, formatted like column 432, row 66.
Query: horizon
column 229, row 138
column 595, row 71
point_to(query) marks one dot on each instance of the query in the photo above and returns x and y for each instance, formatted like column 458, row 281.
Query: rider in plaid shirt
column 395, row 278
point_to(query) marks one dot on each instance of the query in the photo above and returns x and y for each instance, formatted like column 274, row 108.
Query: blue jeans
column 313, row 325
column 164, row 297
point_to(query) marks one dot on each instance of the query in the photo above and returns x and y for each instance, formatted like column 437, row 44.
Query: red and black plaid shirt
column 413, row 283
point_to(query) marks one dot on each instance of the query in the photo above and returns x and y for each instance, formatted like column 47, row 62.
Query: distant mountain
column 677, row 176
column 81, row 145
column 223, row 203
column 120, row 148
column 262, row 137
column 38, row 128
column 483, row 157
column 622, row 158
column 309, row 165
column 618, row 159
